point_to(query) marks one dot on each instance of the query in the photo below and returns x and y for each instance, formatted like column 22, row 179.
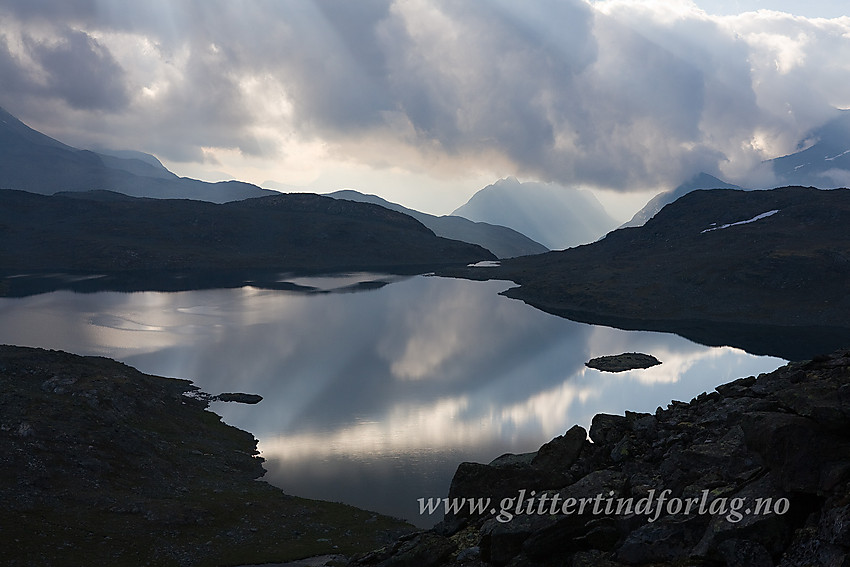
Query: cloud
column 619, row 94
column 70, row 65
column 473, row 76
column 81, row 72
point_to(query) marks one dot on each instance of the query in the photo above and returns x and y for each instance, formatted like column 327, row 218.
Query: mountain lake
column 376, row 387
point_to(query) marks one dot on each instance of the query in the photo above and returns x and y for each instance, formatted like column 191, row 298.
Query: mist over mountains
column 823, row 161
column 510, row 218
column 555, row 216
column 31, row 161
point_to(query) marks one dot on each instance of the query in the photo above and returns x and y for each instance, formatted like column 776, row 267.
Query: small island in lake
column 622, row 362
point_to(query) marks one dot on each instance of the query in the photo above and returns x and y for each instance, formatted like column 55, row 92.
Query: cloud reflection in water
column 391, row 387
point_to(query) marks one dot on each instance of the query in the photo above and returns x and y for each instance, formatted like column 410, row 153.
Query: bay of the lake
column 373, row 394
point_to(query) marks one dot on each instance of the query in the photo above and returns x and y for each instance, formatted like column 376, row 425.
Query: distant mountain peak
column 504, row 242
column 702, row 180
column 509, row 181
column 556, row 216
column 824, row 163
column 822, row 160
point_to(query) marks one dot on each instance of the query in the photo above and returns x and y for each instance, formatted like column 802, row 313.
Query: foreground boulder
column 756, row 473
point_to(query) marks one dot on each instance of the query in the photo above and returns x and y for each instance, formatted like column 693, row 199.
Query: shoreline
column 102, row 463
column 756, row 473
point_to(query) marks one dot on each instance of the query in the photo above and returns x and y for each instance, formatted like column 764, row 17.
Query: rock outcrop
column 622, row 362
column 755, row 473
column 237, row 397
column 103, row 465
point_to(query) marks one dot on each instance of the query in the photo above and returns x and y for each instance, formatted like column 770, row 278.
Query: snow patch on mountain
column 754, row 219
column 844, row 153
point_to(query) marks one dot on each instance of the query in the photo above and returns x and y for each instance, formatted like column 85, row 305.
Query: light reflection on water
column 373, row 398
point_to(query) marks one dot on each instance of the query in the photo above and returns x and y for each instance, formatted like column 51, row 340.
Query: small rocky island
column 623, row 362
column 753, row 474
column 101, row 464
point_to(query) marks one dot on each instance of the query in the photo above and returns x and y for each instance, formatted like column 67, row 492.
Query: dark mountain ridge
column 154, row 240
column 700, row 181
column 502, row 241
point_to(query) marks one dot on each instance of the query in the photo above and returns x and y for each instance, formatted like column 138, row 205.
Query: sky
column 425, row 102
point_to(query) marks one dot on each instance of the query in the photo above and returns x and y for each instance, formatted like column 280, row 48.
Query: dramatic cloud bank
column 621, row 94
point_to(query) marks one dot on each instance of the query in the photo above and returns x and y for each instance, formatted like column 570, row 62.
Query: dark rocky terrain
column 782, row 437
column 705, row 269
column 103, row 465
column 134, row 243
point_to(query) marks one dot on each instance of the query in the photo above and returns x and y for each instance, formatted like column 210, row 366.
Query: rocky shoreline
column 101, row 464
column 753, row 474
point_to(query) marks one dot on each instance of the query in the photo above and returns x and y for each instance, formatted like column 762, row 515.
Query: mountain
column 824, row 164
column 138, row 163
column 767, row 271
column 822, row 161
column 700, row 181
column 502, row 241
column 557, row 217
column 31, row 161
column 204, row 244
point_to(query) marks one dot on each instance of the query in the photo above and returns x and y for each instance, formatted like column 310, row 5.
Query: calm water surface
column 373, row 398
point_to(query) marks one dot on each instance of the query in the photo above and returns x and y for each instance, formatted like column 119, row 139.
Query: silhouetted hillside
column 700, row 181
column 107, row 233
column 718, row 266
column 502, row 241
